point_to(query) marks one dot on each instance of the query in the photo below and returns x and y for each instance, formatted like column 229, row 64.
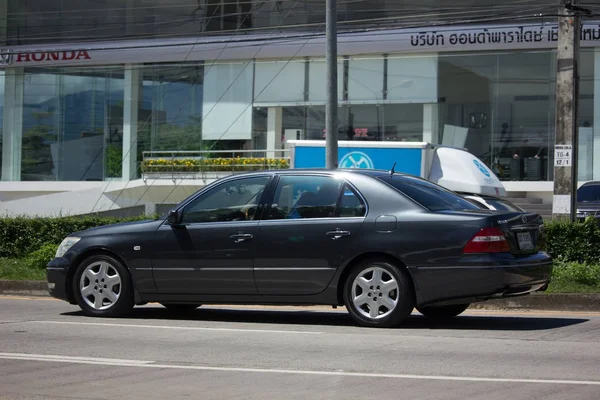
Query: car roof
column 368, row 172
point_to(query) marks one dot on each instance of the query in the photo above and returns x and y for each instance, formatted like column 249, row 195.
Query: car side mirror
column 174, row 217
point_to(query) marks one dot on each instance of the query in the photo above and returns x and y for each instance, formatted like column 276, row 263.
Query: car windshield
column 588, row 194
column 503, row 205
column 429, row 195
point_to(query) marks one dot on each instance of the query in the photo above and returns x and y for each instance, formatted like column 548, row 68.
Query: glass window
column 305, row 197
column 68, row 116
column 231, row 201
column 429, row 195
column 350, row 204
column 170, row 108
column 502, row 108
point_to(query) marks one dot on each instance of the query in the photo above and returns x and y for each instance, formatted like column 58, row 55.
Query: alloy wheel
column 375, row 293
column 100, row 285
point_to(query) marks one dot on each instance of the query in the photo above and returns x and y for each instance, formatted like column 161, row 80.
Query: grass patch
column 20, row 270
column 575, row 278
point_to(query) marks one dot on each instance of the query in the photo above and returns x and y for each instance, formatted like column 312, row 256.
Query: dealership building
column 81, row 109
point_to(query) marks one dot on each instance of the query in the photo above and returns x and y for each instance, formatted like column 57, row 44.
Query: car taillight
column 488, row 240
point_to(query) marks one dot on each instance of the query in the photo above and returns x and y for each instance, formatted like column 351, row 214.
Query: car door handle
column 241, row 237
column 337, row 234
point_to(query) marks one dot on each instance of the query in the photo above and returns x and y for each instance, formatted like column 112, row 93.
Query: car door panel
column 305, row 235
column 299, row 257
column 204, row 259
column 211, row 249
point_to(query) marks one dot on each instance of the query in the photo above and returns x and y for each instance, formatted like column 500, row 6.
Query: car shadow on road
column 341, row 318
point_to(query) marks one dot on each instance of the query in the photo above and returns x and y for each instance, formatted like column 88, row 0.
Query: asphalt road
column 48, row 350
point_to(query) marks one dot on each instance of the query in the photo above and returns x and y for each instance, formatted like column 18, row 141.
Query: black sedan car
column 378, row 242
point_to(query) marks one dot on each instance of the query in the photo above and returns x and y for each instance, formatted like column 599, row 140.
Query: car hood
column 120, row 228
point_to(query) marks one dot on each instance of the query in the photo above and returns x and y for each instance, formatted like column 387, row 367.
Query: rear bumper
column 483, row 277
column 56, row 275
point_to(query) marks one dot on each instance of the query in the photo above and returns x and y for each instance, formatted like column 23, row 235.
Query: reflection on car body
column 378, row 242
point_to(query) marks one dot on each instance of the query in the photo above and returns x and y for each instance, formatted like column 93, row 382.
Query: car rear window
column 429, row 195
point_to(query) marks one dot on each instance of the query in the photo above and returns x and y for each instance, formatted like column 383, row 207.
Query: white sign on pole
column 563, row 155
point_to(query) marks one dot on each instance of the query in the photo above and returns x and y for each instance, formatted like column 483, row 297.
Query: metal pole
column 331, row 108
column 567, row 101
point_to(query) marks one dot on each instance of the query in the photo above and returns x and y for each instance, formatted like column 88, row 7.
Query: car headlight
column 66, row 245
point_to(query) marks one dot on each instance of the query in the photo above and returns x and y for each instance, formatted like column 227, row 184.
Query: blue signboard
column 407, row 160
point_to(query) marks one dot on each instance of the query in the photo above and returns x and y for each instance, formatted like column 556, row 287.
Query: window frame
column 345, row 183
column 207, row 189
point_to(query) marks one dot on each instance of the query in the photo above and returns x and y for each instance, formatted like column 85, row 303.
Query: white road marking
column 152, row 364
column 192, row 328
column 44, row 357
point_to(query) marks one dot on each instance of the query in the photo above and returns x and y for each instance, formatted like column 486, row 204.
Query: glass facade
column 95, row 123
column 53, row 21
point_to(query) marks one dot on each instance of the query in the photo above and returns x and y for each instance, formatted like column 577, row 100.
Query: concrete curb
column 24, row 288
column 536, row 301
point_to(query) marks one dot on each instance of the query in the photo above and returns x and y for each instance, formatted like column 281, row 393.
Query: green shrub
column 41, row 257
column 574, row 242
column 571, row 272
column 21, row 236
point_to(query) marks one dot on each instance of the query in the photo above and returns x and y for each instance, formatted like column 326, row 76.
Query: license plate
column 524, row 239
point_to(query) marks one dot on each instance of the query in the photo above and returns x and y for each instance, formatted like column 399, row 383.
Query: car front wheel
column 378, row 294
column 102, row 287
column 443, row 311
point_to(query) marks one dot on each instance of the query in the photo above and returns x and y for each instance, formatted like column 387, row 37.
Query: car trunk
column 524, row 231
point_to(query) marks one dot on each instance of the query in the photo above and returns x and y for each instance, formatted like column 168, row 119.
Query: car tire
column 180, row 308
column 378, row 294
column 102, row 287
column 442, row 312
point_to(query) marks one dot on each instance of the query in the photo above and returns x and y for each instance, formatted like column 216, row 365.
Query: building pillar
column 274, row 131
column 596, row 138
column 132, row 94
column 12, row 127
column 430, row 123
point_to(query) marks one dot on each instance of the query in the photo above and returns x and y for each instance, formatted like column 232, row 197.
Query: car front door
column 210, row 251
column 305, row 234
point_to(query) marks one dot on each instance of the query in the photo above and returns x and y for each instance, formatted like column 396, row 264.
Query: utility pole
column 567, row 103
column 331, row 108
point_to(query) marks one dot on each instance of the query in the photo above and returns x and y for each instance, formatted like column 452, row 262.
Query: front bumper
column 56, row 275
column 483, row 277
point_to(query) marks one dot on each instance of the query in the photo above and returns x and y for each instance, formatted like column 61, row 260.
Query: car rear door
column 306, row 233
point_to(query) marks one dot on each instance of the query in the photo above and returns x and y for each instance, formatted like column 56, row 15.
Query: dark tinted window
column 305, row 197
column 427, row 194
column 588, row 194
column 351, row 205
column 231, row 201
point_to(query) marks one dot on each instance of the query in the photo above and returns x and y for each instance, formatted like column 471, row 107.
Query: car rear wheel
column 378, row 294
column 102, row 287
column 443, row 311
column 180, row 308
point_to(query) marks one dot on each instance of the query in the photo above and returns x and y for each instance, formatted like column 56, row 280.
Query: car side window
column 305, row 197
column 236, row 200
column 351, row 205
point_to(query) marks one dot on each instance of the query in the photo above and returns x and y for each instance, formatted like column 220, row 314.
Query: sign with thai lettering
column 433, row 40
column 497, row 35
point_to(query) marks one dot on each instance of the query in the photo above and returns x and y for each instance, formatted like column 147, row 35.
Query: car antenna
column 392, row 171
